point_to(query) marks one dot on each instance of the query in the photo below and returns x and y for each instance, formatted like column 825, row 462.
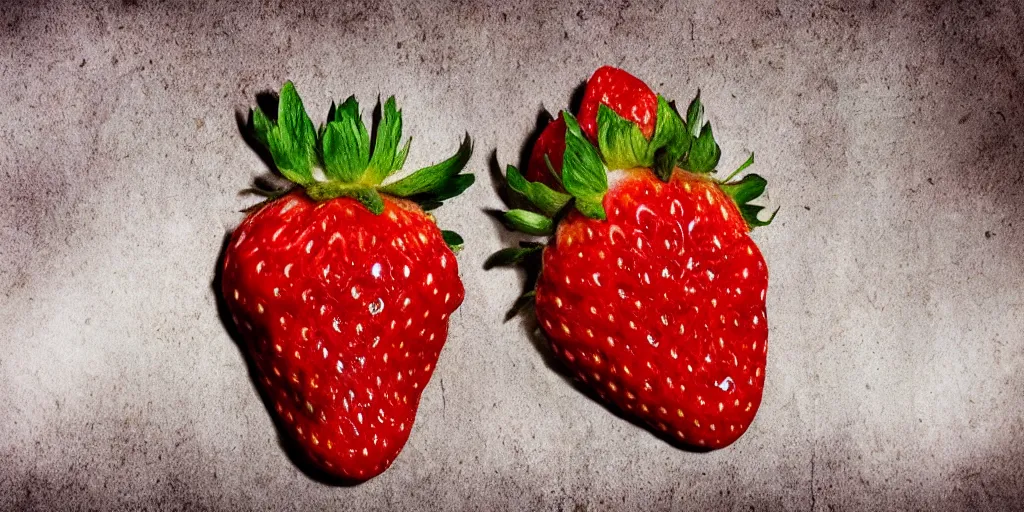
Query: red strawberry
column 625, row 94
column 651, row 292
column 341, row 290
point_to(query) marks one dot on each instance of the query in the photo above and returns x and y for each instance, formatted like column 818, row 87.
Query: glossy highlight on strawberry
column 342, row 288
column 650, row 290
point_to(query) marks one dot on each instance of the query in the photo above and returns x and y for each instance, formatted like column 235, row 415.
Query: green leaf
column 529, row 222
column 583, row 175
column 260, row 125
column 695, row 116
column 750, row 214
column 745, row 190
column 453, row 187
column 292, row 142
column 591, row 209
column 748, row 163
column 621, row 142
column 368, row 196
column 345, row 144
column 704, row 153
column 400, row 157
column 435, row 177
column 453, row 240
column 511, row 256
column 670, row 141
column 540, row 195
column 388, row 135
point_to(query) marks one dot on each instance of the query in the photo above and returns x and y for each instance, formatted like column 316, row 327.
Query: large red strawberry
column 624, row 93
column 342, row 289
column 651, row 291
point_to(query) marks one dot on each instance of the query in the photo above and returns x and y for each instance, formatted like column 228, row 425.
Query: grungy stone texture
column 889, row 133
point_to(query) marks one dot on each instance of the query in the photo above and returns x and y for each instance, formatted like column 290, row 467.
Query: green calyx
column 338, row 161
column 688, row 144
column 744, row 190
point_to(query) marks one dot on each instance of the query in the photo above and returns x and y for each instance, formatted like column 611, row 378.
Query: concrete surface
column 889, row 133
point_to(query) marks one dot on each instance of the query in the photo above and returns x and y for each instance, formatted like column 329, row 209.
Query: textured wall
column 889, row 133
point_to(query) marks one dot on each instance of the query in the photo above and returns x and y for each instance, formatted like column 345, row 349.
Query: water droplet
column 376, row 306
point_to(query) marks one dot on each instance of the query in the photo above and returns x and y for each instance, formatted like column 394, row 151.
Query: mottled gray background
column 890, row 134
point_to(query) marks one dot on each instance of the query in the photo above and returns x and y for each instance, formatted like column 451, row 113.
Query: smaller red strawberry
column 625, row 94
column 342, row 289
column 620, row 91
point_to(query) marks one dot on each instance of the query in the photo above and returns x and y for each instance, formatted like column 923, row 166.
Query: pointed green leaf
column 345, row 144
column 260, row 125
column 695, row 116
column 433, row 178
column 400, row 157
column 750, row 214
column 292, row 142
column 670, row 141
column 453, row 187
column 453, row 240
column 511, row 256
column 745, row 190
column 529, row 222
column 583, row 175
column 704, row 152
column 591, row 209
column 748, row 163
column 621, row 142
column 349, row 109
column 385, row 147
column 540, row 195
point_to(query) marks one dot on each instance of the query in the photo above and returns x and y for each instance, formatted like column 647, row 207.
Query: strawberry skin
column 625, row 94
column 344, row 314
column 550, row 144
column 660, row 309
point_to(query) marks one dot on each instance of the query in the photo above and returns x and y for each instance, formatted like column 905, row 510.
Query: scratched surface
column 889, row 134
